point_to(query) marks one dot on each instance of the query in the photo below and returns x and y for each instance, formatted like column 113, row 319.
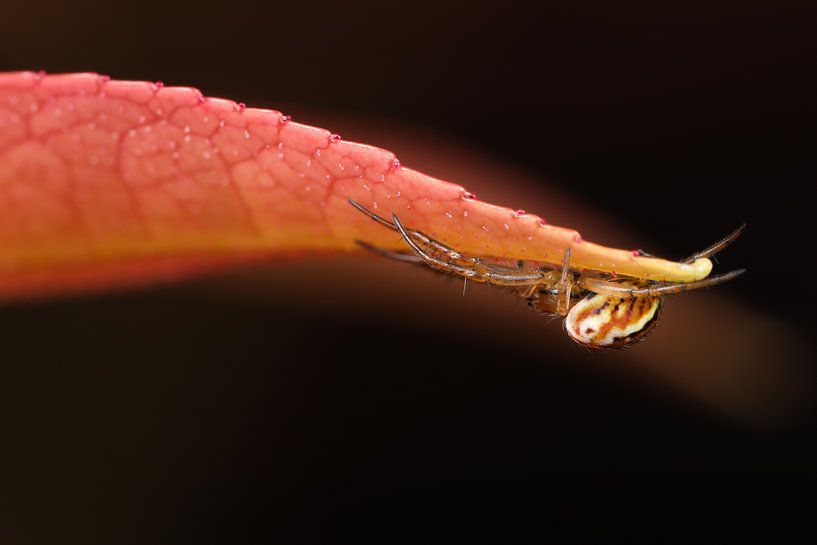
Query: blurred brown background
column 350, row 400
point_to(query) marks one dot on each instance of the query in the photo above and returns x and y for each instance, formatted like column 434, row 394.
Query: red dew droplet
column 577, row 238
column 519, row 212
column 395, row 164
column 158, row 85
column 286, row 119
column 334, row 138
column 543, row 221
column 468, row 195
column 635, row 253
column 241, row 106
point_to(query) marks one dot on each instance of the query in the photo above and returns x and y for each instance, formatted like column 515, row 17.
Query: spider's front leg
column 441, row 257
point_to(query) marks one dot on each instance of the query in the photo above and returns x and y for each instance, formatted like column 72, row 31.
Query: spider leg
column 387, row 253
column 605, row 287
column 552, row 296
column 544, row 306
column 718, row 246
column 429, row 259
column 474, row 270
column 438, row 246
column 430, row 251
column 526, row 293
column 565, row 286
column 450, row 252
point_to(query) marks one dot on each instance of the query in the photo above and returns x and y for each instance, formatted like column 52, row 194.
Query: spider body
column 600, row 310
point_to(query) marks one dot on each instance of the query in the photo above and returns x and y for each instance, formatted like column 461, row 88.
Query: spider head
column 604, row 321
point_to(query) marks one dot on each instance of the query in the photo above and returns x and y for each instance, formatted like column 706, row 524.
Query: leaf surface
column 108, row 182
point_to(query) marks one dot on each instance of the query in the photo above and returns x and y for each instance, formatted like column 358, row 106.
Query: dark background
column 192, row 414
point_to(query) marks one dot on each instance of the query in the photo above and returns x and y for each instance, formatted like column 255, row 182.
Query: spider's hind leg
column 718, row 246
column 638, row 289
column 631, row 289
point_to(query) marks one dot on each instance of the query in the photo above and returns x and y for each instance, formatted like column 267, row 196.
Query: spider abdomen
column 600, row 321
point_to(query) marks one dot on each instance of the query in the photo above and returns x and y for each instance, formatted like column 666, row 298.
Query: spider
column 600, row 311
